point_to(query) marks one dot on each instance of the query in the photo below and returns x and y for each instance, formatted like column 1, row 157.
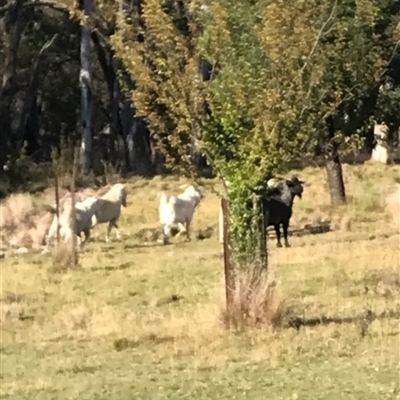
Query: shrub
column 64, row 257
column 255, row 301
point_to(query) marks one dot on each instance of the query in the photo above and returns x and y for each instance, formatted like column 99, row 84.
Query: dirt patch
column 392, row 207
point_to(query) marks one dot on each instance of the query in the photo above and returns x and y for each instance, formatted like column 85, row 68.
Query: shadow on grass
column 78, row 369
column 308, row 229
column 168, row 300
column 145, row 245
column 124, row 343
column 112, row 268
column 365, row 320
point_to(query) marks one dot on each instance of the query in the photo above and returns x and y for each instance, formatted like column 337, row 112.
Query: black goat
column 278, row 209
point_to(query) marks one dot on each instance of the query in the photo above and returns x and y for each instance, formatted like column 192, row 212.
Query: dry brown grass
column 255, row 302
column 17, row 219
column 48, row 195
column 393, row 207
column 23, row 223
column 163, row 303
column 346, row 223
column 25, row 220
column 42, row 225
column 14, row 209
column 64, row 257
column 87, row 320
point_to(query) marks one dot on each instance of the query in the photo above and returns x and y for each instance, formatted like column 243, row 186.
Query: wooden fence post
column 229, row 280
column 57, row 194
column 73, row 212
column 263, row 238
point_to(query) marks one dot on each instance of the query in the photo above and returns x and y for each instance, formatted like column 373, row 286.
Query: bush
column 64, row 257
column 255, row 301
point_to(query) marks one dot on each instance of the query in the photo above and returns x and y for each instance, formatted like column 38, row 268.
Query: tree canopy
column 253, row 85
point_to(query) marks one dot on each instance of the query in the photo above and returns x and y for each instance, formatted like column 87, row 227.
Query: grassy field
column 143, row 321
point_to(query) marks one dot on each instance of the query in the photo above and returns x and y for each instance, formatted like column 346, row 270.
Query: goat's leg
column 109, row 227
column 47, row 245
column 114, row 224
column 188, row 230
column 278, row 235
column 181, row 228
column 50, row 238
column 285, row 233
column 167, row 231
column 79, row 242
column 49, row 241
column 52, row 233
column 86, row 232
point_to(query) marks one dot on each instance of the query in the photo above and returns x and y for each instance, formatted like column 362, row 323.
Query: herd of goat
column 277, row 202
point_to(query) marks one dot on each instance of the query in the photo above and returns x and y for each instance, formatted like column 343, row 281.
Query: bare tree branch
column 51, row 4
column 318, row 38
column 31, row 92
column 396, row 46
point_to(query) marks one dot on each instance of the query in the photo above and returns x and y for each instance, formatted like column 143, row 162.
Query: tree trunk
column 31, row 134
column 198, row 159
column 85, row 80
column 31, row 95
column 139, row 148
column 334, row 167
column 119, row 134
column 5, row 131
column 137, row 136
column 13, row 26
column 335, row 181
column 229, row 276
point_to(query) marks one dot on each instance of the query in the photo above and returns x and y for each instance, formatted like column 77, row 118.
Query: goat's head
column 194, row 192
column 123, row 197
column 296, row 186
column 120, row 191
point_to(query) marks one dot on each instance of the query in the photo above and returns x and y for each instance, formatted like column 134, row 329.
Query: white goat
column 109, row 209
column 179, row 210
column 84, row 211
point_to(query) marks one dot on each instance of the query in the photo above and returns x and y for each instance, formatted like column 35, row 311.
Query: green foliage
column 388, row 105
column 164, row 65
column 23, row 175
column 279, row 70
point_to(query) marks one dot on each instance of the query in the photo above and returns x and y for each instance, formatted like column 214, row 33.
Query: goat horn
column 184, row 186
